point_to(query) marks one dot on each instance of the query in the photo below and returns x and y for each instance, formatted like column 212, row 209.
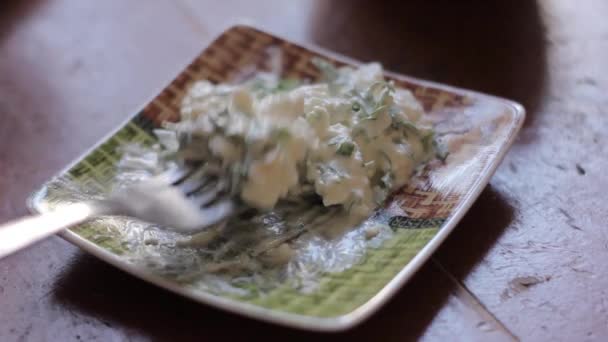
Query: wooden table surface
column 529, row 261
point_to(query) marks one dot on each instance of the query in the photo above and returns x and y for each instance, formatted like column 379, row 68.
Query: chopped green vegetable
column 329, row 71
column 287, row 84
column 346, row 149
column 374, row 115
column 263, row 87
column 428, row 141
column 313, row 116
column 369, row 108
column 404, row 126
column 281, row 134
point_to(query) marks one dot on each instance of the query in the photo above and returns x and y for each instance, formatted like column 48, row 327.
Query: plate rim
column 310, row 323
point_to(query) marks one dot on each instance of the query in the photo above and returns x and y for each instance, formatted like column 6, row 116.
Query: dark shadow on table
column 13, row 11
column 497, row 47
column 476, row 233
column 119, row 300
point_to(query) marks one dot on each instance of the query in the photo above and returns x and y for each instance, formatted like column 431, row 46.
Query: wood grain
column 527, row 260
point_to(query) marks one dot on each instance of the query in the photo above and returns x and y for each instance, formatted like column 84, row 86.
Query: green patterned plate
column 477, row 128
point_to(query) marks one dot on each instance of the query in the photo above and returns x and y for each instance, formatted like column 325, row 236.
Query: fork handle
column 26, row 231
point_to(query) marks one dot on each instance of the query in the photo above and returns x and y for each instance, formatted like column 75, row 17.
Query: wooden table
column 528, row 261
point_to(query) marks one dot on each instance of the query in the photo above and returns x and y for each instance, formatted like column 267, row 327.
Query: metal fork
column 186, row 199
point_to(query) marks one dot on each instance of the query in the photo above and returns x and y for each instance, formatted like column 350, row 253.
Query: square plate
column 477, row 128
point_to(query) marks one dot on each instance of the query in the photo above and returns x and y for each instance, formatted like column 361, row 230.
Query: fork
column 185, row 199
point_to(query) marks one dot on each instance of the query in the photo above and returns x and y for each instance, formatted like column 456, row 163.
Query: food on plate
column 350, row 138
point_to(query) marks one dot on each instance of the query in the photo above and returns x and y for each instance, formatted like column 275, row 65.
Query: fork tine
column 193, row 183
column 217, row 212
column 175, row 175
column 205, row 189
column 199, row 186
column 188, row 175
column 188, row 178
column 203, row 198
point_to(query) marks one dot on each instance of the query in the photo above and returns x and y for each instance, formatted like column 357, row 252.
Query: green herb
column 346, row 149
column 356, row 107
column 262, row 88
column 281, row 134
column 236, row 140
column 287, row 84
column 441, row 151
column 428, row 141
column 370, row 108
column 329, row 71
column 312, row 116
column 374, row 115
column 386, row 89
column 404, row 126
